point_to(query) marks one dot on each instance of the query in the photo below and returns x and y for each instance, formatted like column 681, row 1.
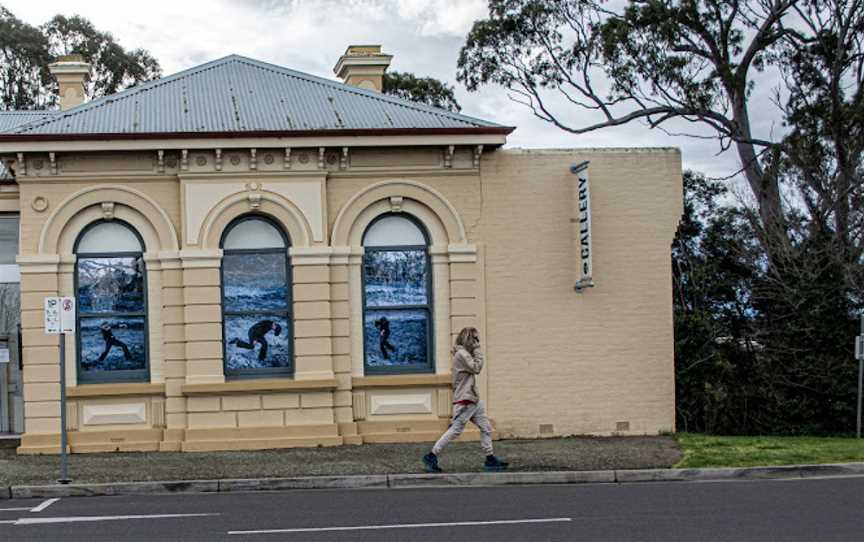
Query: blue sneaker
column 494, row 464
column 430, row 461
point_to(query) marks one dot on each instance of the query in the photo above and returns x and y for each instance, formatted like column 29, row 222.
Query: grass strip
column 722, row 451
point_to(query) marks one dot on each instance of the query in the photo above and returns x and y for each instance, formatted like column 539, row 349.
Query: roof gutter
column 484, row 130
column 490, row 137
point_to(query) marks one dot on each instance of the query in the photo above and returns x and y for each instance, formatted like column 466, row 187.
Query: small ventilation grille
column 622, row 426
column 546, row 429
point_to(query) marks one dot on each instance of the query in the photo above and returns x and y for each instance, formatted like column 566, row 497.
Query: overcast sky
column 309, row 35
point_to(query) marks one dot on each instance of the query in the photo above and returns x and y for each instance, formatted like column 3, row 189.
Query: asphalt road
column 806, row 510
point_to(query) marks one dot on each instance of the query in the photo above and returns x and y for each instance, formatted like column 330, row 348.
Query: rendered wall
column 502, row 260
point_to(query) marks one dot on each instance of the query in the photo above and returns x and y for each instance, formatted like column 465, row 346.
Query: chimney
column 71, row 73
column 363, row 66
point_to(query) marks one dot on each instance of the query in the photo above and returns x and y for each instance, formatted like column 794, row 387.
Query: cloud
column 309, row 35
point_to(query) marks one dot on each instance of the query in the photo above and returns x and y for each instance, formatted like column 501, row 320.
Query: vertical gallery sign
column 581, row 223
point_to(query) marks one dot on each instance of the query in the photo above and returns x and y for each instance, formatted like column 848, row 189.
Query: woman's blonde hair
column 465, row 339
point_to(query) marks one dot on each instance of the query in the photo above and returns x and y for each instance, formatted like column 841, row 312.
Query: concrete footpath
column 572, row 460
column 382, row 481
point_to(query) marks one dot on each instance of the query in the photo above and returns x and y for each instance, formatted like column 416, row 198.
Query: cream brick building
column 361, row 232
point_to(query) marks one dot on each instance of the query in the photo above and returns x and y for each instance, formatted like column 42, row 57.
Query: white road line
column 14, row 509
column 7, row 521
column 44, row 505
column 79, row 519
column 405, row 526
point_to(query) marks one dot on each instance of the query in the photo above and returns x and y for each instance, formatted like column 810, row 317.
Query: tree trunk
column 765, row 187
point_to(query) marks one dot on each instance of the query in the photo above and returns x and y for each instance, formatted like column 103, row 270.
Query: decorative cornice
column 20, row 143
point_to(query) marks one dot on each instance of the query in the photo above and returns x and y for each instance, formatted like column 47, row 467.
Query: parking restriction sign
column 52, row 315
column 59, row 315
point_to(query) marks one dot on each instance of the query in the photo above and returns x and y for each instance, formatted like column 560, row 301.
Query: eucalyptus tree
column 27, row 50
column 427, row 90
column 764, row 291
column 113, row 67
column 699, row 62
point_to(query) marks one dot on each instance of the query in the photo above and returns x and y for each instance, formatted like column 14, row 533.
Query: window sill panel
column 256, row 385
column 114, row 390
column 391, row 381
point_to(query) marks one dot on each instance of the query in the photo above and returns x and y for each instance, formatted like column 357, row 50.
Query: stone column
column 41, row 377
column 313, row 313
column 465, row 295
column 202, row 329
column 173, row 350
column 441, row 307
column 355, row 288
column 342, row 343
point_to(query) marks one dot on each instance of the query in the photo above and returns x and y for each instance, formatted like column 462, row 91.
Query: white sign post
column 859, row 355
column 60, row 320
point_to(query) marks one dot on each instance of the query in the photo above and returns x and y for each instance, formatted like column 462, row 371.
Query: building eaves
column 13, row 119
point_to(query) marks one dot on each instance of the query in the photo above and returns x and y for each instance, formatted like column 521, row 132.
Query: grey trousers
column 462, row 414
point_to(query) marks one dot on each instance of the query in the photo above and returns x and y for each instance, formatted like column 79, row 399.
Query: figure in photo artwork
column 257, row 334
column 383, row 326
column 112, row 341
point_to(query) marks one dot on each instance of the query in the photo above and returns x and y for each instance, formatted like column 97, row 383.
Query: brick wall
column 581, row 362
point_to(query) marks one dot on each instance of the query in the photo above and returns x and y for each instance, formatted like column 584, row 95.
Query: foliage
column 24, row 63
column 114, row 68
column 701, row 451
column 757, row 350
column 673, row 64
column 427, row 90
column 712, row 281
column 766, row 289
column 26, row 51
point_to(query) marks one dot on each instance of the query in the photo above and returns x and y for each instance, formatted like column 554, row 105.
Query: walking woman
column 467, row 364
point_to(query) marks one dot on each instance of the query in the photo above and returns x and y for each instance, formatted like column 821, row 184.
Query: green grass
column 718, row 451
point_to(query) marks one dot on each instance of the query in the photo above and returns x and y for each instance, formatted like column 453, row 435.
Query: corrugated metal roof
column 11, row 119
column 237, row 94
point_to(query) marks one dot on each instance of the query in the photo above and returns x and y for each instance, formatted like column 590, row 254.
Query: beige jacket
column 465, row 368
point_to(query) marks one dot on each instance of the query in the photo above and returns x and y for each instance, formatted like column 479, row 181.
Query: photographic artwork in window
column 396, row 325
column 395, row 277
column 111, row 308
column 255, row 281
column 396, row 337
column 256, row 304
column 113, row 343
column 257, row 341
column 110, row 285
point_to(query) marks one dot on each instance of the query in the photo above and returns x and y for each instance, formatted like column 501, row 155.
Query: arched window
column 256, row 299
column 110, row 286
column 397, row 294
